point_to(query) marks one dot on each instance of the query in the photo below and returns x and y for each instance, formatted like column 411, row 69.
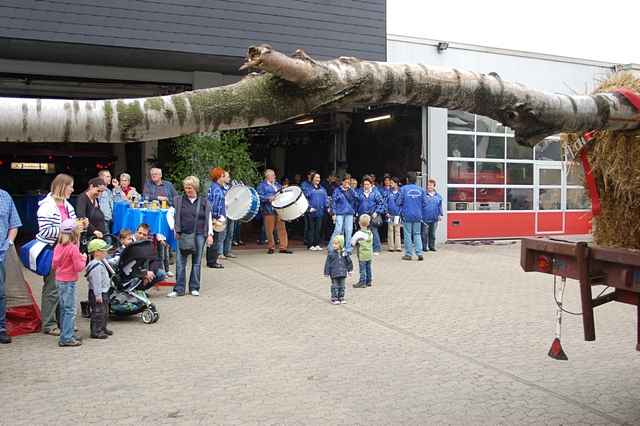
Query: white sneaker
column 172, row 294
column 342, row 302
column 195, row 293
column 335, row 302
column 171, row 274
column 222, row 257
column 314, row 248
column 376, row 253
column 318, row 248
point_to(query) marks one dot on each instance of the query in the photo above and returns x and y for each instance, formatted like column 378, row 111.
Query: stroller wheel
column 156, row 317
column 147, row 316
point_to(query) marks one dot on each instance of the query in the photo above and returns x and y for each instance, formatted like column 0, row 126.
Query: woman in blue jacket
column 393, row 216
column 215, row 197
column 318, row 204
column 344, row 202
column 431, row 215
column 370, row 202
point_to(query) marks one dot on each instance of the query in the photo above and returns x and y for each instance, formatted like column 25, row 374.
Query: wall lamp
column 442, row 46
column 378, row 118
column 307, row 121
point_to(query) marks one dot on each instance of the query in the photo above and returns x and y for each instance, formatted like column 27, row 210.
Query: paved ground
column 460, row 338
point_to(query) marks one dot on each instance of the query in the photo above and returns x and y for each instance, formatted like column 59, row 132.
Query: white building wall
column 539, row 71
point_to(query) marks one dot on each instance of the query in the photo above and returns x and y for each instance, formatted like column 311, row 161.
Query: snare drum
column 290, row 203
column 242, row 203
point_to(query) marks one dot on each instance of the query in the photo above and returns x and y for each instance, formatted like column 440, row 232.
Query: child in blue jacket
column 338, row 266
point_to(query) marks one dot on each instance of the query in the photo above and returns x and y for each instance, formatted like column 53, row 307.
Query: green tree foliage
column 197, row 154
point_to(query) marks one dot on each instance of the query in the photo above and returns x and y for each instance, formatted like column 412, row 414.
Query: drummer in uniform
column 267, row 191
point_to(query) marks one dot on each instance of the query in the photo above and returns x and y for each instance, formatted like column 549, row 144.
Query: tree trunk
column 290, row 87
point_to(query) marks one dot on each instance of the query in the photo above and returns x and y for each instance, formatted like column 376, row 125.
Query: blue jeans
column 67, row 296
column 220, row 237
column 365, row 272
column 377, row 245
column 181, row 267
column 236, row 231
column 228, row 236
column 337, row 288
column 3, row 304
column 344, row 226
column 429, row 235
column 412, row 237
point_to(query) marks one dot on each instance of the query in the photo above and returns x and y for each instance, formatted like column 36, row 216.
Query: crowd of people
column 336, row 208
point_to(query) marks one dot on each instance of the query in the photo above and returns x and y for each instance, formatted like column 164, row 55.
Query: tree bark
column 288, row 87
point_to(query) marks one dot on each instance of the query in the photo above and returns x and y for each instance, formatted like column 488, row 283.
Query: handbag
column 37, row 257
column 187, row 242
column 376, row 221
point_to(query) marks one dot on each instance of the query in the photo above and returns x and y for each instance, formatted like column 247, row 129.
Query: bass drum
column 290, row 203
column 242, row 203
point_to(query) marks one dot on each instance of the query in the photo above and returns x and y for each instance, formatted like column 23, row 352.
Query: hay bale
column 615, row 161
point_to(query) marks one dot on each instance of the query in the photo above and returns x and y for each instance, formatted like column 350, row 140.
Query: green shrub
column 197, row 154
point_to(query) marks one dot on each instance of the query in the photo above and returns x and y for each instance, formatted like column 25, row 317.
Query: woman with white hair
column 122, row 190
column 267, row 191
column 192, row 228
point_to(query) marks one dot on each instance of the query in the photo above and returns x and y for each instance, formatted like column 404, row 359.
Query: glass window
column 487, row 125
column 489, row 147
column 461, row 172
column 460, row 146
column 575, row 174
column 518, row 152
column 490, row 173
column 460, row 120
column 549, row 149
column 490, row 199
column 519, row 174
column 519, row 199
column 550, row 177
column 578, row 199
column 550, row 199
column 460, row 199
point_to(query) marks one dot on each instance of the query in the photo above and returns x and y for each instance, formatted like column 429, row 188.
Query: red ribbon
column 591, row 184
column 631, row 96
column 596, row 208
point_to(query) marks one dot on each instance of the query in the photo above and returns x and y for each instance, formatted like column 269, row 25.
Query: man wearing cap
column 9, row 224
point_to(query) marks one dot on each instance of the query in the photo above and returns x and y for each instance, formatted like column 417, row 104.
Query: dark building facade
column 82, row 49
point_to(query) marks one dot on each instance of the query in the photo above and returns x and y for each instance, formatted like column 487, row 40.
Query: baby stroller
column 127, row 295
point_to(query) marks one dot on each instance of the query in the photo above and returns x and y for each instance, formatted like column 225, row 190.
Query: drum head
column 286, row 197
column 237, row 202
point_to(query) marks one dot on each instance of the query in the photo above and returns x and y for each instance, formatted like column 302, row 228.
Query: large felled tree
column 286, row 87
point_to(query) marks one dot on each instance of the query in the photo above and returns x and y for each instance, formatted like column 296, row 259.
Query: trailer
column 590, row 265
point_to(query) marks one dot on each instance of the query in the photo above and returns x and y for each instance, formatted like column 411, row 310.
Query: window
column 516, row 151
column 575, row 174
column 550, row 199
column 519, row 199
column 460, row 146
column 461, row 172
column 551, row 177
column 490, row 173
column 490, row 147
column 461, row 120
column 519, row 173
column 490, row 199
column 487, row 125
column 489, row 170
column 460, row 199
column 578, row 199
column 549, row 150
